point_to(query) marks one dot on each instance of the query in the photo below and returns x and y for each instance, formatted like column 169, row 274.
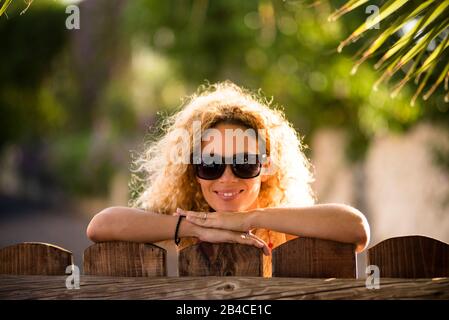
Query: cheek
column 206, row 191
column 204, row 185
column 253, row 187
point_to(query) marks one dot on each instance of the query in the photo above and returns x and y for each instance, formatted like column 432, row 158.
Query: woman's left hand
column 236, row 221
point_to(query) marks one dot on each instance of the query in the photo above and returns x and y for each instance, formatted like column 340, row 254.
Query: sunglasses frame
column 260, row 160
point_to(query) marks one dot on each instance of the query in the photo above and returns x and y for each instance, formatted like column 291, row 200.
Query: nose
column 228, row 175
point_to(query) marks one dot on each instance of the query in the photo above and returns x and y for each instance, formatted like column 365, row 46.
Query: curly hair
column 166, row 184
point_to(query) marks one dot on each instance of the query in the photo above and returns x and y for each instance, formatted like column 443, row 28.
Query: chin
column 229, row 207
column 226, row 208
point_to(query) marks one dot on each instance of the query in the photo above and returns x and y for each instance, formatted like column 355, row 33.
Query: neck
column 255, row 205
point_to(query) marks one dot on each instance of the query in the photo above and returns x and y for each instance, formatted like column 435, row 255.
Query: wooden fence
column 401, row 257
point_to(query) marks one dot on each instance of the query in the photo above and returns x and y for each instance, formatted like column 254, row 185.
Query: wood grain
column 248, row 288
column 34, row 258
column 224, row 259
column 125, row 259
column 314, row 258
column 410, row 257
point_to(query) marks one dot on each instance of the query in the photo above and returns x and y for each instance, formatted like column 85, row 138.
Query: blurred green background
column 75, row 103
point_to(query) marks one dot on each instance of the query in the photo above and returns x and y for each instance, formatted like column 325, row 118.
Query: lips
column 228, row 195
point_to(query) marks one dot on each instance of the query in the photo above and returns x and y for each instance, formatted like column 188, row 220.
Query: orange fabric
column 277, row 239
column 289, row 237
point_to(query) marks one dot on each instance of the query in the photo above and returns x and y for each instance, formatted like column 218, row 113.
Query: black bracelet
column 178, row 240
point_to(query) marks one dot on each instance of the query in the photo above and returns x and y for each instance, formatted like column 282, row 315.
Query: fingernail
column 178, row 209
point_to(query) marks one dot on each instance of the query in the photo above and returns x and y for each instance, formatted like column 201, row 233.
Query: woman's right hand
column 220, row 236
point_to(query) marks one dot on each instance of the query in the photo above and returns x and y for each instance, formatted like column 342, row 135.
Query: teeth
column 228, row 194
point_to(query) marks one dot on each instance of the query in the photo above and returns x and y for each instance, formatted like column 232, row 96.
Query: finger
column 249, row 241
column 264, row 247
column 256, row 237
column 194, row 214
column 180, row 212
column 199, row 221
column 187, row 213
column 266, row 250
column 204, row 219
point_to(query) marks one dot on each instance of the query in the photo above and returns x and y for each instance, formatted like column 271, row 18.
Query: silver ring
column 244, row 235
column 205, row 216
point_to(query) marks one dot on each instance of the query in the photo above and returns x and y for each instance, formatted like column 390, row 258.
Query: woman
column 254, row 191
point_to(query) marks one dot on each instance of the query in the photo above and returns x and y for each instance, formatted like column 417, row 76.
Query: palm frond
column 5, row 6
column 443, row 75
column 386, row 10
column 415, row 39
column 348, row 6
column 28, row 3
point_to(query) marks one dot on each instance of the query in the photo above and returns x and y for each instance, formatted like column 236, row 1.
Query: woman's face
column 228, row 192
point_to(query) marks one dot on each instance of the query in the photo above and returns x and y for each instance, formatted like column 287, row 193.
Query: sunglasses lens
column 209, row 171
column 248, row 168
column 247, row 171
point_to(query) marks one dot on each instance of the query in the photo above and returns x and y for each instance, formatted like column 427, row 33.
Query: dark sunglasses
column 243, row 165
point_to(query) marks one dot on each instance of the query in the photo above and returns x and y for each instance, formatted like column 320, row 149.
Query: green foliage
column 90, row 108
column 286, row 48
column 28, row 108
column 82, row 166
column 414, row 36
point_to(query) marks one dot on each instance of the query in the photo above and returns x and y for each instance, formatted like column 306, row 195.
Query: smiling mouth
column 228, row 195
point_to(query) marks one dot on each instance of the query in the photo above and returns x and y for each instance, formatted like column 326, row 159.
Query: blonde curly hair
column 166, row 185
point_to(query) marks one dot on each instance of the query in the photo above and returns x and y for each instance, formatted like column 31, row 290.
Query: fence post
column 410, row 257
column 314, row 258
column 34, row 258
column 125, row 259
column 223, row 259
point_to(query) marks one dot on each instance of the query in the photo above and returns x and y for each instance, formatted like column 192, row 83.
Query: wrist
column 254, row 218
column 187, row 229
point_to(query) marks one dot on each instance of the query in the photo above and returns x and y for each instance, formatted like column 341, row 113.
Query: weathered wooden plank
column 34, row 258
column 410, row 257
column 253, row 288
column 314, row 258
column 224, row 259
column 125, row 259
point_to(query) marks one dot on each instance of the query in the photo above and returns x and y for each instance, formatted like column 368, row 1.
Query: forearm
column 326, row 221
column 129, row 224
